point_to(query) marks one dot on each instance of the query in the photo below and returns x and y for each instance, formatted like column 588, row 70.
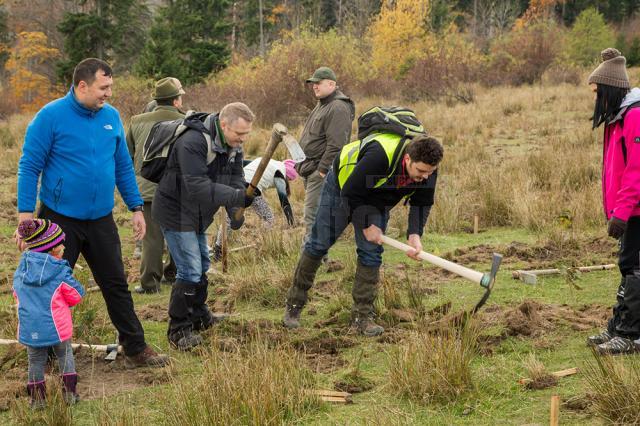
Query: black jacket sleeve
column 420, row 206
column 192, row 159
column 371, row 166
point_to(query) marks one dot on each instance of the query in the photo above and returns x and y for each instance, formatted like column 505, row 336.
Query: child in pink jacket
column 44, row 288
column 618, row 107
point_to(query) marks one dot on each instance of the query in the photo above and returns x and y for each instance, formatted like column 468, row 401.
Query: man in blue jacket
column 76, row 146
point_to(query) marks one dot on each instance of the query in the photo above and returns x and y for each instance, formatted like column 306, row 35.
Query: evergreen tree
column 588, row 37
column 113, row 30
column 187, row 40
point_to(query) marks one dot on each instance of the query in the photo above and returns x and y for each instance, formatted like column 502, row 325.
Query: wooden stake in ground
column 224, row 241
column 555, row 410
column 476, row 221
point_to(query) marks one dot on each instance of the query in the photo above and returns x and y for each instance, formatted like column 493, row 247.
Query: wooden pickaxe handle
column 279, row 130
column 470, row 274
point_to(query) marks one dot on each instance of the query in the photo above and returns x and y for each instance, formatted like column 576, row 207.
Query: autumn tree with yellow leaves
column 30, row 57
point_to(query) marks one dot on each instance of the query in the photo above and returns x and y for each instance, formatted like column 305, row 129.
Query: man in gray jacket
column 326, row 131
column 168, row 101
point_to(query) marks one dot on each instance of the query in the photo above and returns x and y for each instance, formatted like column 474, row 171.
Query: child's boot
column 37, row 392
column 69, row 383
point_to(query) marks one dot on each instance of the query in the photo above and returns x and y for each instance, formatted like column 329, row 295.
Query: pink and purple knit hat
column 40, row 235
column 289, row 167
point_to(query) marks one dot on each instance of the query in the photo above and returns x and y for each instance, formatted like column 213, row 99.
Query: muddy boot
column 37, row 391
column 69, row 383
column 365, row 286
column 616, row 346
column 297, row 295
column 292, row 316
column 181, row 304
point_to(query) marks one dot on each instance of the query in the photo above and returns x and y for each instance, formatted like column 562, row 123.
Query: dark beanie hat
column 40, row 235
column 612, row 71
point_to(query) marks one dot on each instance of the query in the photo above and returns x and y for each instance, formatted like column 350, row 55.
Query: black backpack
column 159, row 144
column 398, row 120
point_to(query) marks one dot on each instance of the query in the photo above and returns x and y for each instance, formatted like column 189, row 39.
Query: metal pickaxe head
column 489, row 279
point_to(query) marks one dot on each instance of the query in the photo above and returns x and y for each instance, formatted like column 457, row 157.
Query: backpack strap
column 211, row 155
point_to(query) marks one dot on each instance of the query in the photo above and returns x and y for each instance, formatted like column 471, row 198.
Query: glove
column 256, row 191
column 236, row 224
column 616, row 227
column 246, row 200
column 288, row 213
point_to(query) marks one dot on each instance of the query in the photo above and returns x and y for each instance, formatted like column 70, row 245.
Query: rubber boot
column 181, row 304
column 365, row 286
column 303, row 279
column 202, row 317
column 69, row 383
column 37, row 391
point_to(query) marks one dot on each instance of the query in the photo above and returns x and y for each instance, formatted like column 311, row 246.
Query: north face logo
column 108, row 127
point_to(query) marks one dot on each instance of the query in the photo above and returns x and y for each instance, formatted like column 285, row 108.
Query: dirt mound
column 542, row 382
column 323, row 343
column 575, row 253
column 153, row 312
column 533, row 319
column 334, row 265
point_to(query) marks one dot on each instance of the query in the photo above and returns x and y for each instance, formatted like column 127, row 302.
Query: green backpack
column 398, row 120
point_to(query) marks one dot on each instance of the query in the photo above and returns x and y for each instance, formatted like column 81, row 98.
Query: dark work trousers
column 626, row 312
column 151, row 268
column 99, row 243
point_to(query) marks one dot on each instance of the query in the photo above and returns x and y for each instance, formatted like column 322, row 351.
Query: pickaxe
column 486, row 280
column 278, row 134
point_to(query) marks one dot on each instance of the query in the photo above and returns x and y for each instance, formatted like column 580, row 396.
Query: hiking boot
column 147, row 358
column 303, row 278
column 185, row 341
column 599, row 339
column 291, row 318
column 69, row 383
column 141, row 290
column 617, row 345
column 367, row 327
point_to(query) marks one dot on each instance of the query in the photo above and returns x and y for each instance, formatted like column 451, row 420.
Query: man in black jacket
column 368, row 179
column 202, row 174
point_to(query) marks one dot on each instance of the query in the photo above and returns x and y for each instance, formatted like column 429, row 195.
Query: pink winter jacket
column 620, row 178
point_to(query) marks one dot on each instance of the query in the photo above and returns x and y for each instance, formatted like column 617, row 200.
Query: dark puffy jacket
column 190, row 192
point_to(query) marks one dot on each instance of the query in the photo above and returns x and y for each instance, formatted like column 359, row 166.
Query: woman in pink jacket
column 44, row 288
column 618, row 108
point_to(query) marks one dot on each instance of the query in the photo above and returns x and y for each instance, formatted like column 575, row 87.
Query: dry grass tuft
column 432, row 368
column 614, row 387
column 256, row 385
column 538, row 373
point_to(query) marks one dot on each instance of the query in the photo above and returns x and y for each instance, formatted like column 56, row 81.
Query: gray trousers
column 313, row 189
column 151, row 267
column 38, row 360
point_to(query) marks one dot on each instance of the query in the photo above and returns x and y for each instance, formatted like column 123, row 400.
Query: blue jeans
column 190, row 253
column 331, row 220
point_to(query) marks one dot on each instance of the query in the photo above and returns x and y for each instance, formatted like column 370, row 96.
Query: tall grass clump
column 614, row 384
column 256, row 385
column 431, row 368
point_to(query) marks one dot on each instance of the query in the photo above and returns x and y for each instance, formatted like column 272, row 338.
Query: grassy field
column 523, row 159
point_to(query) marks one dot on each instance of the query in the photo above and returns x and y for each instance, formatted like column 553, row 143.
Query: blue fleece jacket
column 82, row 155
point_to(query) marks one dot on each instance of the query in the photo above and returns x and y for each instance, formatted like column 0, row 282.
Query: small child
column 44, row 288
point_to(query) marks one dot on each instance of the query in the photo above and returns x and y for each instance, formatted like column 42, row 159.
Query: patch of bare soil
column 533, row 319
column 334, row 265
column 578, row 403
column 98, row 379
column 542, row 382
column 153, row 312
column 324, row 343
column 324, row 363
column 599, row 250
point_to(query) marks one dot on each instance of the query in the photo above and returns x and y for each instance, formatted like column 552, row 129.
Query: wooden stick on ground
column 530, row 277
column 558, row 374
column 224, row 241
column 334, row 396
column 555, row 410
